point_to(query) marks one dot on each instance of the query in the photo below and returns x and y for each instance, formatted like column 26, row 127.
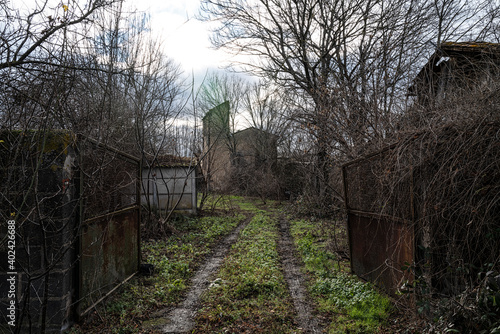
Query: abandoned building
column 456, row 68
column 231, row 159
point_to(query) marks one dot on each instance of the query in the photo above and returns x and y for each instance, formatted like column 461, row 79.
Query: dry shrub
column 455, row 172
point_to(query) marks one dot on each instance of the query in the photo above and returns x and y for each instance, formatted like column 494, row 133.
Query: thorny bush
column 454, row 172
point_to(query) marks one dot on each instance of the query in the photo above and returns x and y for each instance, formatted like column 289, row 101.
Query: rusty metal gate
column 380, row 224
column 110, row 231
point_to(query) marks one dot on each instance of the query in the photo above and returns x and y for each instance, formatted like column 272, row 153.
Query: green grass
column 355, row 306
column 229, row 203
column 249, row 293
column 175, row 260
column 215, row 202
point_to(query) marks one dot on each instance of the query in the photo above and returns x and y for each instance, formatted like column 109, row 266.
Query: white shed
column 170, row 184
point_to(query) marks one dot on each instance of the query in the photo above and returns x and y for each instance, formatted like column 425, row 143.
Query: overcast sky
column 186, row 40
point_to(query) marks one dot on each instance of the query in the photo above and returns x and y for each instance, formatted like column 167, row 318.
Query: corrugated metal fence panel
column 170, row 188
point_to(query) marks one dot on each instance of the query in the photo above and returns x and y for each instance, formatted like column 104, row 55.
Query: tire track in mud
column 296, row 281
column 181, row 319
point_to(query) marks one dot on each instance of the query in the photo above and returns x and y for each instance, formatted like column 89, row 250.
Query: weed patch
column 175, row 261
column 229, row 203
column 250, row 292
column 358, row 307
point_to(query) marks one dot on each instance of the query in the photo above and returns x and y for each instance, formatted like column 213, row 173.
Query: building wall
column 42, row 200
column 235, row 165
column 231, row 159
column 217, row 145
column 167, row 188
column 68, row 252
column 256, row 147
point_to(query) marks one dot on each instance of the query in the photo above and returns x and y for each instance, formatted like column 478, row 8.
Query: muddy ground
column 181, row 318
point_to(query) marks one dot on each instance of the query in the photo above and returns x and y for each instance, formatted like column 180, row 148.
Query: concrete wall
column 39, row 194
column 76, row 227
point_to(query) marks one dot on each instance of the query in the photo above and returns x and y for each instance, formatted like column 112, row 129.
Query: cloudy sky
column 186, row 39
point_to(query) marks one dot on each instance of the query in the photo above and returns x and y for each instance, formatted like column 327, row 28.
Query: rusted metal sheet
column 380, row 224
column 109, row 254
column 380, row 248
column 109, row 240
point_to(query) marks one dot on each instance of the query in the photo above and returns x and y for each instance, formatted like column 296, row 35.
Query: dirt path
column 296, row 281
column 181, row 319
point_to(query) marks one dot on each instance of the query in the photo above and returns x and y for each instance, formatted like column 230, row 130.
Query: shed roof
column 254, row 130
column 170, row 160
column 453, row 49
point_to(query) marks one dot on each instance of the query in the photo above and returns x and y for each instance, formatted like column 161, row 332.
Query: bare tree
column 220, row 100
column 322, row 48
column 83, row 67
column 350, row 61
column 218, row 88
column 35, row 35
column 265, row 108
